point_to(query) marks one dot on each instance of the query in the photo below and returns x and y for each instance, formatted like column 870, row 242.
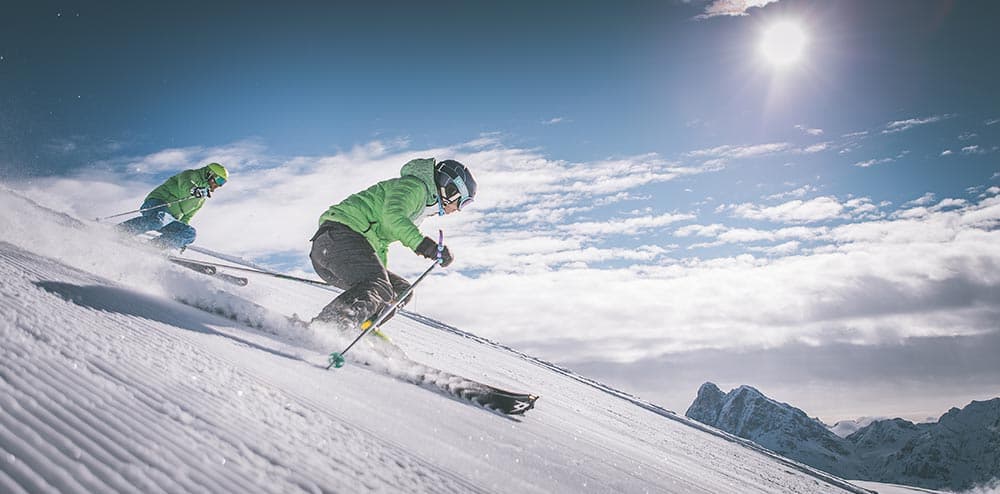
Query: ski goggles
column 456, row 191
column 219, row 181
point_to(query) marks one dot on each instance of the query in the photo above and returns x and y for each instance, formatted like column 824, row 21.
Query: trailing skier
column 349, row 248
column 168, row 209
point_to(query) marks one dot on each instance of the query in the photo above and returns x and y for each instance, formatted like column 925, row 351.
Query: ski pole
column 337, row 358
column 142, row 210
column 268, row 273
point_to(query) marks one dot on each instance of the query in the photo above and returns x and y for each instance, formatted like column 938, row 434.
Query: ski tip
column 517, row 405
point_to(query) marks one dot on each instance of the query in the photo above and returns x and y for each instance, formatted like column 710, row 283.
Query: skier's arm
column 402, row 199
column 185, row 184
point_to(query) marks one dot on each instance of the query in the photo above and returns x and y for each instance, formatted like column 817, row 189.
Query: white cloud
column 903, row 125
column 799, row 192
column 815, row 148
column 863, row 208
column 947, row 152
column 992, row 121
column 740, row 152
column 623, row 226
column 885, row 281
column 785, row 249
column 486, row 140
column 797, row 211
column 949, row 203
column 553, row 121
column 923, row 200
column 810, row 131
column 873, row 162
column 974, row 149
column 751, row 235
column 700, row 230
column 862, row 133
column 732, row 7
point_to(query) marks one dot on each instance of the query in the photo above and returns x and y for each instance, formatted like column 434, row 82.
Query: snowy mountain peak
column 959, row 451
column 973, row 415
column 707, row 405
column 844, row 428
column 750, row 414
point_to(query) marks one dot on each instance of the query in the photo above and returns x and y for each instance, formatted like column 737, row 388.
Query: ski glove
column 429, row 248
column 200, row 192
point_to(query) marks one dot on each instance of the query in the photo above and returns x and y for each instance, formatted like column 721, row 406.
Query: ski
column 465, row 389
column 506, row 402
column 235, row 280
column 209, row 270
column 193, row 265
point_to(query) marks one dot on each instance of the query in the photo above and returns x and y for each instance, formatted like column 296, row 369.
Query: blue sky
column 655, row 195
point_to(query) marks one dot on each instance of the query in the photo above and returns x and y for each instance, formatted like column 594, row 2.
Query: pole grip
column 440, row 245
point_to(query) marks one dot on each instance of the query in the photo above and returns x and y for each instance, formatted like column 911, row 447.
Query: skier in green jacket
column 349, row 249
column 169, row 208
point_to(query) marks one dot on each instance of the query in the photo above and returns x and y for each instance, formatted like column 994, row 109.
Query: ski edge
column 209, row 270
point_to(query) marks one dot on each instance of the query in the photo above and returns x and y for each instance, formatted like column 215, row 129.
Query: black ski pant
column 345, row 259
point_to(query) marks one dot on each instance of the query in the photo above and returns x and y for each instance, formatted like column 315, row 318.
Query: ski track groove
column 85, row 443
column 19, row 454
column 48, row 381
column 77, row 437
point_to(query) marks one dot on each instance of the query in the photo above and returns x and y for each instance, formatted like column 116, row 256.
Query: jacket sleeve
column 403, row 199
column 185, row 181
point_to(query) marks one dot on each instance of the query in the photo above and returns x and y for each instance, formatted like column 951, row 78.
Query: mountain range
column 959, row 451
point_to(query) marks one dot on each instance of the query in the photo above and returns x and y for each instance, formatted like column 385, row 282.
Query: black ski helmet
column 455, row 183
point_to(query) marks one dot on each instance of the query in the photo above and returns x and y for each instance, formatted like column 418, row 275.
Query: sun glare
column 783, row 43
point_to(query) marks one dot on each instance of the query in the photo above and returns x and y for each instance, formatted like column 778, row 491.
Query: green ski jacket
column 388, row 211
column 179, row 187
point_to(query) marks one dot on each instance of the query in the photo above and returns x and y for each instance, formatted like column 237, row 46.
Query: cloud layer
column 577, row 256
column 732, row 7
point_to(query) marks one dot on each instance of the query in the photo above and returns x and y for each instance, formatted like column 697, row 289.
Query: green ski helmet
column 218, row 173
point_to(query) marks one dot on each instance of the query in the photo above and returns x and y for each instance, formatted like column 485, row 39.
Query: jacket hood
column 423, row 169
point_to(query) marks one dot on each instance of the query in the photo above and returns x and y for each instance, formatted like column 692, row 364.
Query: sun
column 783, row 43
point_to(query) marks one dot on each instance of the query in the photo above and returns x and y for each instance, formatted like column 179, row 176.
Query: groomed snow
column 109, row 383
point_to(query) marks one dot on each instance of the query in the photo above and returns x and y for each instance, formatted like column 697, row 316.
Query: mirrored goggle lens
column 450, row 194
column 464, row 202
column 219, row 181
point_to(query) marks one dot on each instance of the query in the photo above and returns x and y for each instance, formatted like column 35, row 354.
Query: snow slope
column 109, row 383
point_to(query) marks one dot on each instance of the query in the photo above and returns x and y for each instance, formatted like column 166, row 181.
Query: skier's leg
column 399, row 285
column 345, row 259
column 176, row 235
column 151, row 219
